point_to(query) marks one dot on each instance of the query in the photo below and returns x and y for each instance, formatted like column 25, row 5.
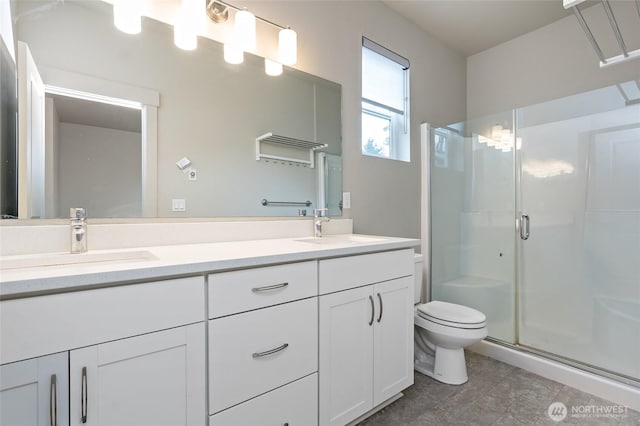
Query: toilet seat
column 451, row 315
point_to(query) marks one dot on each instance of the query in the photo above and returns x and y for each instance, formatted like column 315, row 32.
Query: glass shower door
column 472, row 216
column 579, row 269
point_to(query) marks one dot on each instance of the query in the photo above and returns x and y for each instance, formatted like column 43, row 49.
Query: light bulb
column 287, row 46
column 233, row 54
column 245, row 30
column 272, row 68
column 185, row 30
column 127, row 16
column 496, row 132
column 184, row 35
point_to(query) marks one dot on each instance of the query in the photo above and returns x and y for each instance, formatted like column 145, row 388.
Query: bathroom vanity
column 287, row 331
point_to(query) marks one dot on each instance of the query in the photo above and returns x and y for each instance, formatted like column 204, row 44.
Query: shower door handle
column 524, row 226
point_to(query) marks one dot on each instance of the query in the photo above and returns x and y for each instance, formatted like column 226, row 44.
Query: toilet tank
column 418, row 272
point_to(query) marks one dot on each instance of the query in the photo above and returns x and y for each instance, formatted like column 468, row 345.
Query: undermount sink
column 67, row 259
column 342, row 239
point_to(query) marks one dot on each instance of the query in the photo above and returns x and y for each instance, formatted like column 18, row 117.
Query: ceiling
column 471, row 26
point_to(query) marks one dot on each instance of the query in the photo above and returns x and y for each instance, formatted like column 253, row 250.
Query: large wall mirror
column 123, row 113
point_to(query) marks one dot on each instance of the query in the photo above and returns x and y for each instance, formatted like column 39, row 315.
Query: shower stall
column 535, row 221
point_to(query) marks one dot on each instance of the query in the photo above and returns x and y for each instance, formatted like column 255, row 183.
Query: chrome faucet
column 78, row 230
column 319, row 216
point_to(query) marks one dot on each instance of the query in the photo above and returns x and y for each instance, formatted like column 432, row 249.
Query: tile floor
column 496, row 394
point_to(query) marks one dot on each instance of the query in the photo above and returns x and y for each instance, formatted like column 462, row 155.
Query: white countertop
column 177, row 260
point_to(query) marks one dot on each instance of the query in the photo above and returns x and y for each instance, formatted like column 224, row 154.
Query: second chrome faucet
column 78, row 230
column 319, row 216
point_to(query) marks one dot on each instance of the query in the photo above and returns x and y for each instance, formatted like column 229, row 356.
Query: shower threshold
column 601, row 383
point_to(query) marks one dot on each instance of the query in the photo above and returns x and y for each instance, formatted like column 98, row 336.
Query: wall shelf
column 270, row 138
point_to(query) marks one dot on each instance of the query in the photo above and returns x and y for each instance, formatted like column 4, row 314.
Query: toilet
column 442, row 331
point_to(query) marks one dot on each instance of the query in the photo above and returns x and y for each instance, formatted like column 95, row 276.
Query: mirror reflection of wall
column 93, row 158
column 209, row 111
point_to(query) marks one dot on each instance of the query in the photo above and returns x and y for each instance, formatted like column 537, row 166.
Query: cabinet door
column 393, row 338
column 346, row 358
column 35, row 392
column 154, row 379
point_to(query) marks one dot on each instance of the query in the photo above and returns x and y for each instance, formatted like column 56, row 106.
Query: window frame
column 399, row 134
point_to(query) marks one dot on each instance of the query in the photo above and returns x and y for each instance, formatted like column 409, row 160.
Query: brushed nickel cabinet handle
column 270, row 351
column 524, row 227
column 269, row 287
column 380, row 299
column 372, row 310
column 53, row 401
column 83, row 396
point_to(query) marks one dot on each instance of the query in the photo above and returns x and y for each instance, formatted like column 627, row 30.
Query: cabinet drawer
column 42, row 325
column 355, row 271
column 244, row 360
column 239, row 291
column 295, row 404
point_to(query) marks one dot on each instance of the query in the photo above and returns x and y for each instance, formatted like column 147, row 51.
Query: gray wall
column 385, row 194
column 551, row 62
column 99, row 169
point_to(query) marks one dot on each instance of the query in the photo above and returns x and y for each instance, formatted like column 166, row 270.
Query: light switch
column 346, row 200
column 193, row 174
column 178, row 205
column 183, row 163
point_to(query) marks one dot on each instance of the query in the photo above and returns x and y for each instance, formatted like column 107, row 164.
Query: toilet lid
column 451, row 313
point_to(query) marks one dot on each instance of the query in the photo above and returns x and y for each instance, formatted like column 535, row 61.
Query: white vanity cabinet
column 153, row 379
column 136, row 353
column 317, row 335
column 365, row 333
column 263, row 352
column 35, row 392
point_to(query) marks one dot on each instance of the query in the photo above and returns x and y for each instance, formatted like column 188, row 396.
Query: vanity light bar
column 245, row 30
column 128, row 14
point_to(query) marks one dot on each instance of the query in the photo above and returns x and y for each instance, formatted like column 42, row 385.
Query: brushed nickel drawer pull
column 270, row 351
column 269, row 287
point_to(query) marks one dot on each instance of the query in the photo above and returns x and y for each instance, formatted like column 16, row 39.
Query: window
column 385, row 102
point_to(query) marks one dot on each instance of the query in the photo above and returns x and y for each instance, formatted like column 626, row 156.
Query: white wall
column 108, row 162
column 552, row 62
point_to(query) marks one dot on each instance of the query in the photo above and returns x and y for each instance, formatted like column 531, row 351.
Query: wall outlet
column 178, row 205
column 346, row 200
column 193, row 174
